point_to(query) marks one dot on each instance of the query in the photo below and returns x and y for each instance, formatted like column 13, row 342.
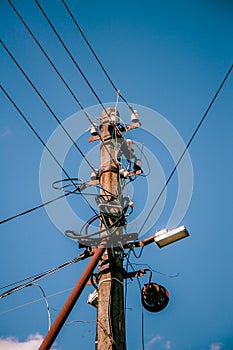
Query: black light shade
column 154, row 297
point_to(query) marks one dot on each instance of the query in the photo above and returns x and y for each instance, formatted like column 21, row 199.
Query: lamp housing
column 165, row 236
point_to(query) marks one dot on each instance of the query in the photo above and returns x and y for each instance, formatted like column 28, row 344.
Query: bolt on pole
column 111, row 319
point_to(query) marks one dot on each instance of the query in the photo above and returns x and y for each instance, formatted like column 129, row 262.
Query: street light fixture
column 165, row 236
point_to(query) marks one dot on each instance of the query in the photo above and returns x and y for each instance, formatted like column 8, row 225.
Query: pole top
column 110, row 115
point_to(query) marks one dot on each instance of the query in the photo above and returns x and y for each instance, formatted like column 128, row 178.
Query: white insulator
column 131, row 204
column 135, row 116
column 94, row 129
column 121, row 171
column 93, row 298
column 126, row 174
column 95, row 175
column 130, row 145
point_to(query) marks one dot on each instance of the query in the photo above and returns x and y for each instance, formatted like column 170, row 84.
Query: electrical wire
column 156, row 271
column 186, row 148
column 52, row 155
column 57, row 71
column 37, row 277
column 51, row 62
column 34, row 208
column 142, row 310
column 53, row 114
column 46, row 302
column 35, row 301
column 34, row 131
column 77, row 66
column 96, row 57
column 70, row 55
column 47, row 105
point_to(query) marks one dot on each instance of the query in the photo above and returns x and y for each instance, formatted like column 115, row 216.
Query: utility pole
column 107, row 249
column 111, row 318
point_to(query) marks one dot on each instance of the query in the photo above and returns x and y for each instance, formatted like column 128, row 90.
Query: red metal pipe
column 68, row 306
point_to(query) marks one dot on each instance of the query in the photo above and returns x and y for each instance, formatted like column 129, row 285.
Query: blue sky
column 164, row 55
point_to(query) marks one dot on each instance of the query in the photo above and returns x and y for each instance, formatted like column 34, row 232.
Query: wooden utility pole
column 110, row 320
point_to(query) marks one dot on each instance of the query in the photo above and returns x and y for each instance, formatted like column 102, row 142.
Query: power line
column 43, row 143
column 50, row 61
column 142, row 313
column 70, row 55
column 46, row 302
column 186, row 148
column 46, row 104
column 34, row 208
column 54, row 67
column 76, row 65
column 35, row 301
column 55, row 117
column 37, row 277
column 96, row 57
column 34, row 131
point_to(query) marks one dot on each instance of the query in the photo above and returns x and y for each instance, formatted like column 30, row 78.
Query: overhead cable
column 50, row 61
column 46, row 302
column 34, row 208
column 35, row 301
column 50, row 152
column 34, row 131
column 57, row 72
column 36, row 278
column 186, row 148
column 70, row 55
column 55, row 117
column 96, row 57
column 47, row 105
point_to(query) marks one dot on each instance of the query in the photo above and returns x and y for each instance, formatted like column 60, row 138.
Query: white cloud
column 32, row 343
column 168, row 345
column 6, row 132
column 154, row 340
column 216, row 346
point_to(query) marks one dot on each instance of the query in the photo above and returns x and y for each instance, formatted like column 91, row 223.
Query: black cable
column 142, row 310
column 37, row 277
column 75, row 63
column 50, row 61
column 140, row 253
column 33, row 130
column 43, row 143
column 57, row 71
column 186, row 148
column 34, row 208
column 46, row 301
column 96, row 57
column 46, row 104
column 54, row 115
column 70, row 55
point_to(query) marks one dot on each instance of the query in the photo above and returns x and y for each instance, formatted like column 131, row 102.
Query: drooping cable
column 69, row 53
column 54, row 115
column 34, row 131
column 96, row 57
column 50, row 61
column 52, row 155
column 34, row 208
column 142, row 310
column 35, row 278
column 35, row 301
column 186, row 148
column 47, row 105
column 57, row 71
column 46, row 302
column 77, row 66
